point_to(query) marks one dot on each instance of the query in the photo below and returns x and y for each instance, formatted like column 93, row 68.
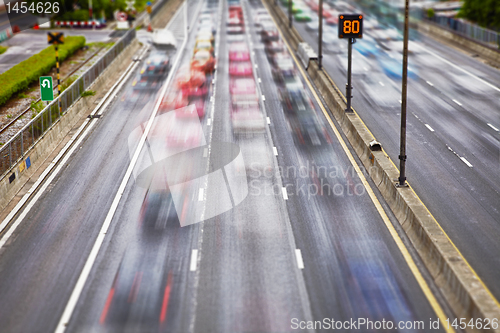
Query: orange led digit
column 350, row 26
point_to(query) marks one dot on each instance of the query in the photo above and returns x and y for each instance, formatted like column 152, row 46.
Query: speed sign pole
column 350, row 28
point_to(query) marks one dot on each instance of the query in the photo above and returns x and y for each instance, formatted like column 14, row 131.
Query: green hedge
column 23, row 74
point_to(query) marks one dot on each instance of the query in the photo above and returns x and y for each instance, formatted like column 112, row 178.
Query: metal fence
column 14, row 149
column 470, row 30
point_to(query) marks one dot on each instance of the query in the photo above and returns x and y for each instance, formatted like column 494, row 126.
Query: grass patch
column 3, row 49
column 22, row 95
column 36, row 107
column 19, row 77
column 100, row 44
column 87, row 93
column 69, row 81
column 9, row 116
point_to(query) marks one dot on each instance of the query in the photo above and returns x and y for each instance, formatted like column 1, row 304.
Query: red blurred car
column 203, row 61
column 242, row 68
column 242, row 86
column 239, row 52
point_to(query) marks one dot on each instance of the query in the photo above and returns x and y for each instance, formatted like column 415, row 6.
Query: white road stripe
column 285, row 194
column 463, row 70
column 259, row 80
column 430, row 83
column 300, row 261
column 454, row 100
column 194, row 260
column 268, row 120
column 263, row 97
column 82, row 279
column 275, row 151
column 209, row 121
column 466, row 162
column 200, row 195
column 381, row 83
column 205, row 152
column 496, row 129
column 256, row 66
column 429, row 127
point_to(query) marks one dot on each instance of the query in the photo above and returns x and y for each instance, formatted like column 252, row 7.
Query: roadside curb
column 464, row 291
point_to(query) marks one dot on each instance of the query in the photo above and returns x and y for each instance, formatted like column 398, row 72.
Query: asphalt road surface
column 453, row 124
column 299, row 239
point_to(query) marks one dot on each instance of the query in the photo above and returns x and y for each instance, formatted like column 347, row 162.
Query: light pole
column 402, row 151
column 320, row 33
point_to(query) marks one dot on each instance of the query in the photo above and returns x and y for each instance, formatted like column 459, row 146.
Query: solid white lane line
column 82, row 279
column 496, row 129
column 275, row 151
column 268, row 120
column 285, row 194
column 194, row 260
column 381, row 83
column 211, row 98
column 200, row 195
column 103, row 104
column 454, row 100
column 209, row 121
column 430, row 83
column 463, row 70
column 300, row 261
column 429, row 127
column 466, row 162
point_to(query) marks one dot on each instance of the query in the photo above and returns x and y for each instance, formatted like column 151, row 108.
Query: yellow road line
column 404, row 251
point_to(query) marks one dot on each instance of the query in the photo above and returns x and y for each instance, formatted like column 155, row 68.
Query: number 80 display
column 350, row 26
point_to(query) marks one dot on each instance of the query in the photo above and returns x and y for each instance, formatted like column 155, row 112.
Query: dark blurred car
column 269, row 33
column 274, row 47
column 283, row 69
column 152, row 73
column 302, row 119
column 279, row 57
column 158, row 211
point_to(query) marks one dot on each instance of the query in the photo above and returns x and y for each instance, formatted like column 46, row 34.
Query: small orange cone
column 36, row 27
column 150, row 29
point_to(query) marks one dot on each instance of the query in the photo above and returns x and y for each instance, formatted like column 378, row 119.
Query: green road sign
column 46, row 88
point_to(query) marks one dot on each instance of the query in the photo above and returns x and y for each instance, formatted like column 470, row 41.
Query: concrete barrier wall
column 43, row 148
column 465, row 294
column 440, row 33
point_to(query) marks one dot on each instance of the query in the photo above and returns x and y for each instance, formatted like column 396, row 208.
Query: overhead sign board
column 350, row 26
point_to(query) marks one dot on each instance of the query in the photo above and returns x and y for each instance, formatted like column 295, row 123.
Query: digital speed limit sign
column 350, row 26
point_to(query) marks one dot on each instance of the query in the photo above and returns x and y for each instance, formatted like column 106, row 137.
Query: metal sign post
column 350, row 27
column 57, row 38
column 402, row 150
column 320, row 33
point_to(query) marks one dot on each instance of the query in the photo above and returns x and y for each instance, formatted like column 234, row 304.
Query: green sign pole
column 46, row 88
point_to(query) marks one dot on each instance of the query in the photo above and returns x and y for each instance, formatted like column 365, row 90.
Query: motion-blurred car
column 241, row 68
column 269, row 33
column 242, row 86
column 205, row 35
column 181, row 133
column 278, row 57
column 394, row 68
column 172, row 101
column 234, row 21
column 283, row 69
column 163, row 38
column 187, row 79
column 204, row 45
column 235, row 30
column 239, row 52
column 274, row 47
column 203, row 61
column 156, row 66
column 158, row 211
column 145, row 84
column 260, row 20
column 248, row 121
column 304, row 16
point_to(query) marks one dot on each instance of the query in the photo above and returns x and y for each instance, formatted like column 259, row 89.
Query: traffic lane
column 141, row 280
column 247, row 266
column 326, row 189
column 43, row 258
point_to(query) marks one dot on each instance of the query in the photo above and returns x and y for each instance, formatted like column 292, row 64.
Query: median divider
column 463, row 290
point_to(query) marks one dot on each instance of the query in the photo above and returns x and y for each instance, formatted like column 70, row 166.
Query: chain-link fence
column 470, row 30
column 15, row 148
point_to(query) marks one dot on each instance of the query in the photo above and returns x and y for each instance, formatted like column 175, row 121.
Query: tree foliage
column 484, row 12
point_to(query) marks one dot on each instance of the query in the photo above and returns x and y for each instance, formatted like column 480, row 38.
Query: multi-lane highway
column 213, row 195
column 453, row 128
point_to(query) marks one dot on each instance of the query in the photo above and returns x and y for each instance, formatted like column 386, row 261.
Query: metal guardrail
column 14, row 149
column 470, row 30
